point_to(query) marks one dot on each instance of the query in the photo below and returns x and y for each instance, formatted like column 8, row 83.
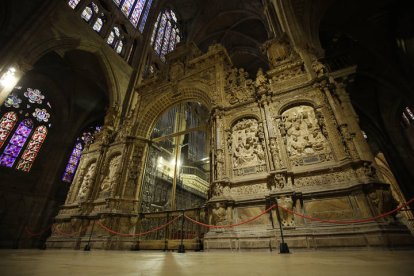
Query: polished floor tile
column 143, row 263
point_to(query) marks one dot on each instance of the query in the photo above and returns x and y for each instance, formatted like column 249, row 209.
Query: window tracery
column 73, row 3
column 407, row 117
column 166, row 34
column 22, row 144
column 87, row 138
column 135, row 10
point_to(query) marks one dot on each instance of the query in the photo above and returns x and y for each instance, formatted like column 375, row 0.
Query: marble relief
column 304, row 138
column 247, row 148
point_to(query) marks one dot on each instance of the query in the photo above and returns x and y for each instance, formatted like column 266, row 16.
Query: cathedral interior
column 118, row 117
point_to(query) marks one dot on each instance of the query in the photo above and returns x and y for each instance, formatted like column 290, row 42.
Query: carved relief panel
column 111, row 174
column 86, row 178
column 305, row 136
column 248, row 154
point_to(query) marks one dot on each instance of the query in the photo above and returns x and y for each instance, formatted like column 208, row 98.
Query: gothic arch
column 149, row 116
column 297, row 102
column 62, row 46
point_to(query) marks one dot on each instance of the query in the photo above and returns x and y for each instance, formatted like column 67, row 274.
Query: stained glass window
column 127, row 6
column 72, row 163
column 11, row 152
column 87, row 138
column 87, row 14
column 73, row 3
column 407, row 117
column 98, row 25
column 136, row 14
column 31, row 105
column 115, row 40
column 32, row 149
column 166, row 34
column 145, row 16
column 7, row 123
column 95, row 7
column 135, row 10
column 111, row 38
column 119, row 47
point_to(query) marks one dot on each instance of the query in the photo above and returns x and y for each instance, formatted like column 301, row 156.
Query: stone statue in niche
column 382, row 201
column 219, row 214
column 274, row 150
column 303, row 133
column 87, row 182
column 111, row 174
column 176, row 70
column 261, row 82
column 287, row 219
column 219, row 164
column 239, row 87
column 220, row 189
column 247, row 147
column 276, row 182
column 319, row 68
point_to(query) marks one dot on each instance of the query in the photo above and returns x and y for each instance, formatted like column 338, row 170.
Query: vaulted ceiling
column 237, row 24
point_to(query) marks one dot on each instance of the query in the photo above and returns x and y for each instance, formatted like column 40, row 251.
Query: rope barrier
column 30, row 233
column 138, row 234
column 56, row 228
column 350, row 221
column 231, row 225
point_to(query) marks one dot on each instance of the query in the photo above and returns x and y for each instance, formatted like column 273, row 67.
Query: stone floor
column 67, row 262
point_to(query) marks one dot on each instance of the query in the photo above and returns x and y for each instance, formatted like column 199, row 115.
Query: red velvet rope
column 231, row 225
column 227, row 226
column 351, row 221
column 30, row 233
column 138, row 234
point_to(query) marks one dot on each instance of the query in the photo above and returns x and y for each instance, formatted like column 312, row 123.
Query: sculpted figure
column 287, row 218
column 219, row 214
column 110, row 177
column 219, row 164
column 87, row 182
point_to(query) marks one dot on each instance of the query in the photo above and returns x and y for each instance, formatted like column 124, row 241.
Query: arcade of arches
column 120, row 114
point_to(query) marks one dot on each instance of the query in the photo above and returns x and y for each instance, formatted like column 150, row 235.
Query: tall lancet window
column 87, row 138
column 166, row 34
column 73, row 3
column 135, row 10
column 24, row 123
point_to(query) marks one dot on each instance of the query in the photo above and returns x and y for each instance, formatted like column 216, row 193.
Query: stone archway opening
column 177, row 172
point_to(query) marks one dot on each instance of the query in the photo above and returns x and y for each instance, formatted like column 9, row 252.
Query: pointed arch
column 29, row 155
column 7, row 123
column 16, row 143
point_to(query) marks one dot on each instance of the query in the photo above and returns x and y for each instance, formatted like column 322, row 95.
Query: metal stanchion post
column 166, row 233
column 284, row 248
column 181, row 247
column 87, row 246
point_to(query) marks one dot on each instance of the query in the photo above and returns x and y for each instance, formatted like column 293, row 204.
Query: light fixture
column 9, row 79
